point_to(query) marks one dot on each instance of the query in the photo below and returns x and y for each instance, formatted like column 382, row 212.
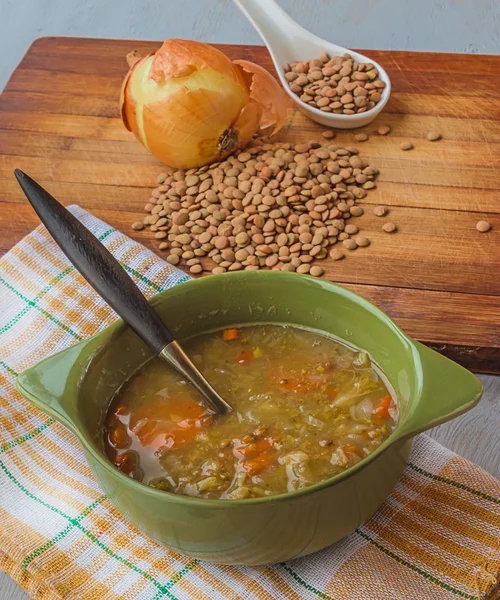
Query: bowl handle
column 447, row 390
column 52, row 384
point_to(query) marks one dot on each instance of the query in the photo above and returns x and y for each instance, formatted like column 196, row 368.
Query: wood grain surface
column 437, row 277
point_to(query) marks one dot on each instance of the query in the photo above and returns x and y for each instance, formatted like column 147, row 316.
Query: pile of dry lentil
column 339, row 85
column 278, row 206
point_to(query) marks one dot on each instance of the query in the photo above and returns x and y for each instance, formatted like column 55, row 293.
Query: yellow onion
column 190, row 105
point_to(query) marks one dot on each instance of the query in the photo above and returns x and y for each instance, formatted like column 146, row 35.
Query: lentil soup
column 307, row 407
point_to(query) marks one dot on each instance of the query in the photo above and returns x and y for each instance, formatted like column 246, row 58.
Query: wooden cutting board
column 437, row 277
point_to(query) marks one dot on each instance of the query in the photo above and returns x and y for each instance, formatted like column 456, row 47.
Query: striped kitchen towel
column 437, row 536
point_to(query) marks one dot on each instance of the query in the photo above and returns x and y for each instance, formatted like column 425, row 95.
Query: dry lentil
column 351, row 229
column 336, row 84
column 406, row 146
column 380, row 211
column 350, row 244
column 316, row 271
column 384, row 130
column 362, row 241
column 356, row 211
column 433, row 136
column 483, row 226
column 336, row 254
column 285, row 206
column 303, row 269
column 173, row 259
column 361, row 137
column 389, row 227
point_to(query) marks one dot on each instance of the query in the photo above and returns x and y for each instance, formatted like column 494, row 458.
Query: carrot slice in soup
column 258, row 455
column 256, row 465
column 127, row 462
column 230, row 334
column 169, row 422
column 382, row 408
column 254, row 449
column 118, row 437
column 244, row 358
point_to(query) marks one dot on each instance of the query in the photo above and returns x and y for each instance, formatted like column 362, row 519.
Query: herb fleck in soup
column 307, row 407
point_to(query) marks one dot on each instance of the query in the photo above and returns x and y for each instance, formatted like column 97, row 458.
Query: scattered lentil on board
column 350, row 244
column 316, row 271
column 362, row 241
column 337, row 84
column 173, row 259
column 389, row 227
column 303, row 268
column 361, row 137
column 384, row 130
column 275, row 206
column 433, row 136
column 356, row 211
column 406, row 146
column 380, row 211
column 336, row 254
column 483, row 226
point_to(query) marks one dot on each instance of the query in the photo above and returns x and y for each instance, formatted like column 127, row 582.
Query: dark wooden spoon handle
column 97, row 265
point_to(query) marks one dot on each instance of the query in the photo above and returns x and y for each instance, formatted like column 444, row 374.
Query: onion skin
column 267, row 92
column 128, row 106
column 180, row 58
column 190, row 105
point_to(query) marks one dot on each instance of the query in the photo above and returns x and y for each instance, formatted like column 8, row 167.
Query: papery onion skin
column 179, row 58
column 128, row 105
column 267, row 92
column 190, row 105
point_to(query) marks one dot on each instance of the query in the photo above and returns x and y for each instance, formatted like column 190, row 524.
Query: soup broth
column 307, row 407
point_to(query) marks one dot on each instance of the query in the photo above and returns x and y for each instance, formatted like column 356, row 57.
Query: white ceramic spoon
column 288, row 42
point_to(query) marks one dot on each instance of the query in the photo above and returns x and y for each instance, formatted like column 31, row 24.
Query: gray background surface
column 445, row 25
column 471, row 26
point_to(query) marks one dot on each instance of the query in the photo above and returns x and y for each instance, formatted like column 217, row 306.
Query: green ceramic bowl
column 76, row 387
